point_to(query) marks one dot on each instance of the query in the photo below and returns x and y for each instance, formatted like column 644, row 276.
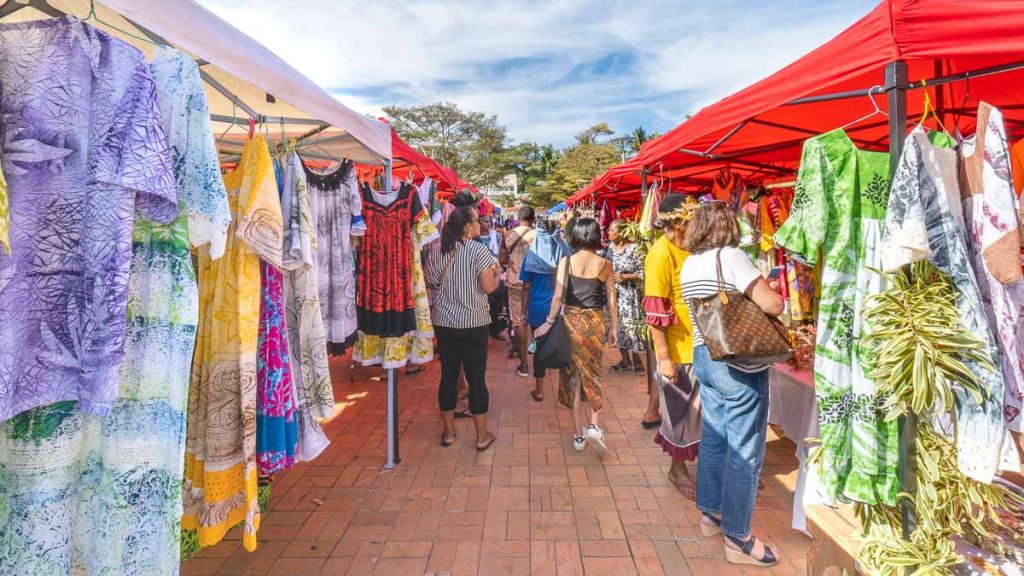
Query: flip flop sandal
column 447, row 443
column 463, row 413
column 533, row 394
column 620, row 367
column 488, row 444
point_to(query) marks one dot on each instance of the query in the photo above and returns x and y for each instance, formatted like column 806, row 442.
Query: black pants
column 463, row 350
column 538, row 370
column 498, row 301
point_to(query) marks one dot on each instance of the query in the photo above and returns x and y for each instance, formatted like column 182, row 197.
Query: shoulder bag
column 553, row 348
column 735, row 329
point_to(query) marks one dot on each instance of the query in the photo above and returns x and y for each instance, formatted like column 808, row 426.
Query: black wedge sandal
column 743, row 555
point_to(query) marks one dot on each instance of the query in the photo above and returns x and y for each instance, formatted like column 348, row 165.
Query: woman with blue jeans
column 734, row 396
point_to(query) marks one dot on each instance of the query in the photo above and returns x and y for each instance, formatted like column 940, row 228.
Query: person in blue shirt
column 538, row 277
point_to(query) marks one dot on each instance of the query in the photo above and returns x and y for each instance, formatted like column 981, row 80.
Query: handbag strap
column 447, row 264
column 721, row 281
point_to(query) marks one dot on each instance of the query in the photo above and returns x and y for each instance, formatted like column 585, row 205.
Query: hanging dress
column 220, row 456
column 924, row 221
column 84, row 152
column 276, row 425
column 5, row 237
column 629, row 297
column 990, row 211
column 335, row 203
column 391, row 300
column 839, row 208
column 311, row 380
column 126, row 467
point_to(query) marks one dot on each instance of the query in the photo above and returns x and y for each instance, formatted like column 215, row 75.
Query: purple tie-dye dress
column 84, row 150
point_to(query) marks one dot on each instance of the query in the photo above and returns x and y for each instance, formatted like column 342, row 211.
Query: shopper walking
column 734, row 395
column 464, row 273
column 513, row 251
column 674, row 404
column 589, row 281
column 538, row 276
column 628, row 265
column 497, row 300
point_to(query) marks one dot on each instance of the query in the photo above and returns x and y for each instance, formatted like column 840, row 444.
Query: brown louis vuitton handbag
column 736, row 330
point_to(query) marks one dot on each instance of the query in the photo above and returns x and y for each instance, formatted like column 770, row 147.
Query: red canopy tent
column 958, row 51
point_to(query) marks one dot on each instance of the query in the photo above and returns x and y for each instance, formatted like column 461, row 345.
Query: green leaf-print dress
column 836, row 222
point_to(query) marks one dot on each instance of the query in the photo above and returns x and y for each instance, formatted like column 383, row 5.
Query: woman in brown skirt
column 589, row 283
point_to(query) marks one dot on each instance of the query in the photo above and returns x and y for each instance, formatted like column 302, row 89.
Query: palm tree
column 639, row 136
column 548, row 159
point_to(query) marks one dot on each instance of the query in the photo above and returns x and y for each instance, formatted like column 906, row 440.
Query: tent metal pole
column 896, row 81
column 644, row 192
column 393, row 456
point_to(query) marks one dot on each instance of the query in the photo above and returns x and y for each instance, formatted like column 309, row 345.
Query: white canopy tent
column 243, row 78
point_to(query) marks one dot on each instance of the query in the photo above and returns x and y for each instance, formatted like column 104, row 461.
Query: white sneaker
column 579, row 443
column 596, row 437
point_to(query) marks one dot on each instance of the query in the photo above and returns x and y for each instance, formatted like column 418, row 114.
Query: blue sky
column 546, row 69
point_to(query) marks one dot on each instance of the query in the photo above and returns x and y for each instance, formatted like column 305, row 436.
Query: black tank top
column 585, row 293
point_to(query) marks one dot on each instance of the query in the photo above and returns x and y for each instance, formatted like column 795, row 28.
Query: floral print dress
column 220, row 455
column 991, row 212
column 839, row 209
column 632, row 324
column 924, row 221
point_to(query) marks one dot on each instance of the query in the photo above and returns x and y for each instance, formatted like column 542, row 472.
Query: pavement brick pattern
column 530, row 505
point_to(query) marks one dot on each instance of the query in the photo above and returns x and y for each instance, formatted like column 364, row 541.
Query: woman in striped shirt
column 734, row 397
column 464, row 273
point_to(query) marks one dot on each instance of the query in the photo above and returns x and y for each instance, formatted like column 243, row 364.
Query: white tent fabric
column 233, row 63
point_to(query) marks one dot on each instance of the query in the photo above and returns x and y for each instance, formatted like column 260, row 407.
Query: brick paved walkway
column 530, row 505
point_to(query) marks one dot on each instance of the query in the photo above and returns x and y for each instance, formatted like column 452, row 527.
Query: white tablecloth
column 792, row 405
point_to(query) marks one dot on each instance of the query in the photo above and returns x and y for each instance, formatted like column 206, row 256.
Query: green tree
column 594, row 133
column 472, row 143
column 577, row 166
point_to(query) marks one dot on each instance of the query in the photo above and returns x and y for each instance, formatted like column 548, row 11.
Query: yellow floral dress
column 220, row 455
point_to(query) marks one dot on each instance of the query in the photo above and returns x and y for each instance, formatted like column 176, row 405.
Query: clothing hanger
column 929, row 109
column 43, row 6
column 234, row 122
column 874, row 112
column 94, row 17
column 959, row 113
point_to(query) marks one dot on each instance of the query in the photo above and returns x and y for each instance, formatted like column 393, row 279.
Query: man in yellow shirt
column 677, row 400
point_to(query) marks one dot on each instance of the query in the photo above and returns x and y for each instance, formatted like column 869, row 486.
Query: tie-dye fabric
column 84, row 150
column 102, row 495
column 275, row 400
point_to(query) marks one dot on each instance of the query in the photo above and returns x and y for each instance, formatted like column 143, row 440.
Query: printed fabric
column 112, row 484
column 276, row 427
column 838, row 209
column 335, row 202
column 990, row 211
column 84, row 151
column 392, row 303
column 587, row 336
column 924, row 222
column 220, row 454
column 632, row 324
column 5, row 235
column 663, row 302
column 311, row 378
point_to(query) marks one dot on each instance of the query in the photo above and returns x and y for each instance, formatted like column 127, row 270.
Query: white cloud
column 686, row 53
